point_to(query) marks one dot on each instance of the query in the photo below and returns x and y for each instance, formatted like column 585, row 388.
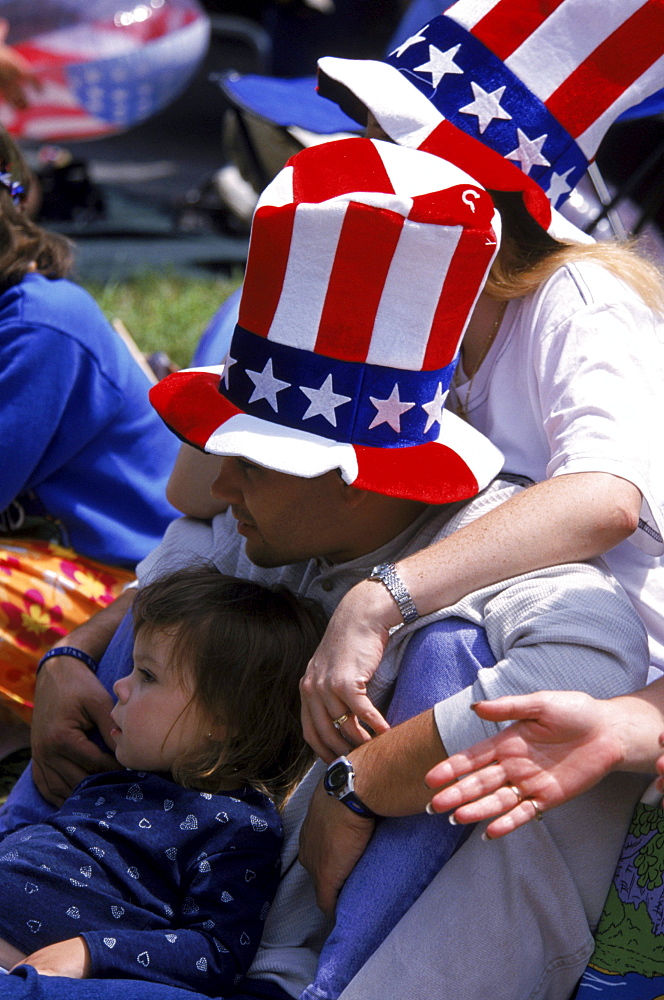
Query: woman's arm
column 188, row 487
column 566, row 519
column 563, row 743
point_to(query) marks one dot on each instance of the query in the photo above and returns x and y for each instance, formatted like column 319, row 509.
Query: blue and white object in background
column 102, row 65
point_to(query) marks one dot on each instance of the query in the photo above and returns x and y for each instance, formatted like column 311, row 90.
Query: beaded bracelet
column 78, row 654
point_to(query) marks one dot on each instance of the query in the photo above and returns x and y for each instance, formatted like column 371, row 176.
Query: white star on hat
column 413, row 40
column 529, row 152
column 228, row 364
column 324, row 401
column 558, row 186
column 439, row 64
column 267, row 386
column 389, row 410
column 434, row 408
column 486, row 106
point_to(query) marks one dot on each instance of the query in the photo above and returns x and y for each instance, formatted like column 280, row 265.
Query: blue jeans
column 27, row 984
column 404, row 854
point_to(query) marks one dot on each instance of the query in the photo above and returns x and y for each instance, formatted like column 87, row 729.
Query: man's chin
column 264, row 558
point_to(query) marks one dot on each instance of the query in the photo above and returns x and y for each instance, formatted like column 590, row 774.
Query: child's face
column 155, row 720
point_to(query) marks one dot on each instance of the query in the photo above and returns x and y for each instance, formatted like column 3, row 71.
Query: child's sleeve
column 213, row 939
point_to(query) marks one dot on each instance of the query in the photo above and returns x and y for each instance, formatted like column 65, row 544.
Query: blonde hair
column 528, row 257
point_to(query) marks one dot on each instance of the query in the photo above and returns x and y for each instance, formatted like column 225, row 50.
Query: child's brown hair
column 242, row 648
column 25, row 246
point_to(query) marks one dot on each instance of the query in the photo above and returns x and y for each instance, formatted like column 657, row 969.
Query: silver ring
column 338, row 723
column 519, row 796
column 539, row 816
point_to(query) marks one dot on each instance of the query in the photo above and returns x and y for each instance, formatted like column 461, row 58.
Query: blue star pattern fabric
column 164, row 883
column 476, row 90
column 101, row 68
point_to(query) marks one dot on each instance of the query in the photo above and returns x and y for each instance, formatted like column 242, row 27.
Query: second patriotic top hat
column 365, row 263
column 518, row 93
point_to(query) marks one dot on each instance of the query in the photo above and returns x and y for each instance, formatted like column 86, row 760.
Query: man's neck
column 383, row 522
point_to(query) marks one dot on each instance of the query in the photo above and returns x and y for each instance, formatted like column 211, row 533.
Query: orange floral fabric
column 45, row 592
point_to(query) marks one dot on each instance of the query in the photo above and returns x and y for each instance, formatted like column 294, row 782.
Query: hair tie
column 15, row 188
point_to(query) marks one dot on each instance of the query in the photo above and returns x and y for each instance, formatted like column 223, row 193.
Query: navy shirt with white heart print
column 164, row 883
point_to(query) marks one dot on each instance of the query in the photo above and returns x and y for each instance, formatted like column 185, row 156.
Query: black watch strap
column 339, row 782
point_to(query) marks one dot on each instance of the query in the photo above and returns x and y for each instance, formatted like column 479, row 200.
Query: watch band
column 77, row 654
column 387, row 574
column 339, row 782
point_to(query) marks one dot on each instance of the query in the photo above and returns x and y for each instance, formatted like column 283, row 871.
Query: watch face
column 337, row 776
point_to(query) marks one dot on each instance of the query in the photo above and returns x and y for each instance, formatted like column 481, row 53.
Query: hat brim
column 289, row 103
column 457, row 466
column 410, row 119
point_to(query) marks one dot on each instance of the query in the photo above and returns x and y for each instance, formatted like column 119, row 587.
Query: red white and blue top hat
column 537, row 83
column 365, row 263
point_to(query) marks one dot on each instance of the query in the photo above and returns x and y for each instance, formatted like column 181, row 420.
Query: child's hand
column 66, row 958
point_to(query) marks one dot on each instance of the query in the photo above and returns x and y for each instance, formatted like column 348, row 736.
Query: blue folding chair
column 272, row 118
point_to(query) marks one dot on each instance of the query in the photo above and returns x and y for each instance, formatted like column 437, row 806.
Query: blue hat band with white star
column 345, row 401
column 479, row 94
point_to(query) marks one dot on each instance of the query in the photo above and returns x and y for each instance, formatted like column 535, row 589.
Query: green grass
column 164, row 311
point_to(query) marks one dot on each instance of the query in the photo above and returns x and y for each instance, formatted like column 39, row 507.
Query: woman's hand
column 562, row 745
column 335, row 682
column 69, row 958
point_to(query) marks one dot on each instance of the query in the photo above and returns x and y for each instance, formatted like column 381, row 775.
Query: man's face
column 286, row 519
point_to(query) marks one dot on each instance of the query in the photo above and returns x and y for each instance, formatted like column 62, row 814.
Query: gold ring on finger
column 519, row 796
column 338, row 723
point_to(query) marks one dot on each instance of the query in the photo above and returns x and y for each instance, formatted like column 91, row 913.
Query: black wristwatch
column 339, row 781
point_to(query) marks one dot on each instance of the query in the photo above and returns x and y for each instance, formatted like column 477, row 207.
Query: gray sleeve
column 189, row 541
column 186, row 539
column 566, row 628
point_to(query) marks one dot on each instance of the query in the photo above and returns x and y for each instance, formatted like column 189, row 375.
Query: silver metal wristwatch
column 387, row 574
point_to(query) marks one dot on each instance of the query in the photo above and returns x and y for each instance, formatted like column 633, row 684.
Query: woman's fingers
column 330, row 740
column 483, row 782
column 460, row 764
column 525, row 812
column 319, row 732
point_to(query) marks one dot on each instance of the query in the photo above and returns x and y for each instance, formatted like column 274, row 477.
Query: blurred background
column 160, row 212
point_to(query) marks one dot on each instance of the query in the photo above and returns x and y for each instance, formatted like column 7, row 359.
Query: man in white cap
column 337, row 457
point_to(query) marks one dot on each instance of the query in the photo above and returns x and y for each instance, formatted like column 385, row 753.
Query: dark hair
column 25, row 246
column 243, row 648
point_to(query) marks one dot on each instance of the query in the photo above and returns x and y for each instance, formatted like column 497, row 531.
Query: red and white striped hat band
column 537, row 82
column 365, row 262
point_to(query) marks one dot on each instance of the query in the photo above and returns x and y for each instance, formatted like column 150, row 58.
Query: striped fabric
column 538, row 82
column 103, row 66
column 365, row 263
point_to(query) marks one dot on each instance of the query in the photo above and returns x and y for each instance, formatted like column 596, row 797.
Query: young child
column 166, row 871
